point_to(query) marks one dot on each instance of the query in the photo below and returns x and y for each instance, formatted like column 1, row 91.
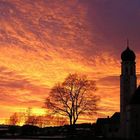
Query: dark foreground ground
column 29, row 132
column 57, row 138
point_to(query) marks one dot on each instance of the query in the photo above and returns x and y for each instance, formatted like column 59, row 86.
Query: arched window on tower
column 126, row 70
column 131, row 71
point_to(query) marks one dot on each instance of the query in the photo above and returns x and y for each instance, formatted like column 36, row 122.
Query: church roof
column 128, row 55
column 115, row 118
column 103, row 121
column 136, row 97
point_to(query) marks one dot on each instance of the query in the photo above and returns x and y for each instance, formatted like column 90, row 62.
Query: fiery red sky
column 42, row 41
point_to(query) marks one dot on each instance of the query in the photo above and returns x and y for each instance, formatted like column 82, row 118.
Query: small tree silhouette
column 73, row 97
column 14, row 119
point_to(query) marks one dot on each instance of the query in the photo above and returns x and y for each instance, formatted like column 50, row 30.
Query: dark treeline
column 66, row 131
column 78, row 131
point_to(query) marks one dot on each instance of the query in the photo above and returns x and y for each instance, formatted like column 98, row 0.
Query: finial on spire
column 127, row 43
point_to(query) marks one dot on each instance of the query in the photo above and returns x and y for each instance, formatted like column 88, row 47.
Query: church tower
column 128, row 84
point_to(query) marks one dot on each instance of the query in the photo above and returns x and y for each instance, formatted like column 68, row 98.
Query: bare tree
column 14, row 119
column 32, row 120
column 60, row 121
column 73, row 97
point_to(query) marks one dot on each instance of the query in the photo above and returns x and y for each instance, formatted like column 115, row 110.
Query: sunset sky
column 42, row 41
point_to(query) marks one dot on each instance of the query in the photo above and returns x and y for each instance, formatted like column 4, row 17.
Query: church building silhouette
column 129, row 97
column 126, row 123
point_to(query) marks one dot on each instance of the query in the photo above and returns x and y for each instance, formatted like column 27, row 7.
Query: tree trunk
column 74, row 122
column 70, row 118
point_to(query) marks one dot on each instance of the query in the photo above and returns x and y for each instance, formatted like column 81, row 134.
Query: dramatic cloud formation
column 42, row 41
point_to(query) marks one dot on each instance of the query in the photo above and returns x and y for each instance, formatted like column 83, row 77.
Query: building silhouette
column 129, row 97
column 108, row 127
column 128, row 84
column 126, row 123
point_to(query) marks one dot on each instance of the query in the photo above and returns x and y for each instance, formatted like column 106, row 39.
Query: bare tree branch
column 73, row 97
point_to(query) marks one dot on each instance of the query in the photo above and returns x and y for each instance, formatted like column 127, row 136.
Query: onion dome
column 128, row 55
column 136, row 97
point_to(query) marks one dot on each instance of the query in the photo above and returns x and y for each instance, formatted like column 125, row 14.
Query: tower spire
column 127, row 43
